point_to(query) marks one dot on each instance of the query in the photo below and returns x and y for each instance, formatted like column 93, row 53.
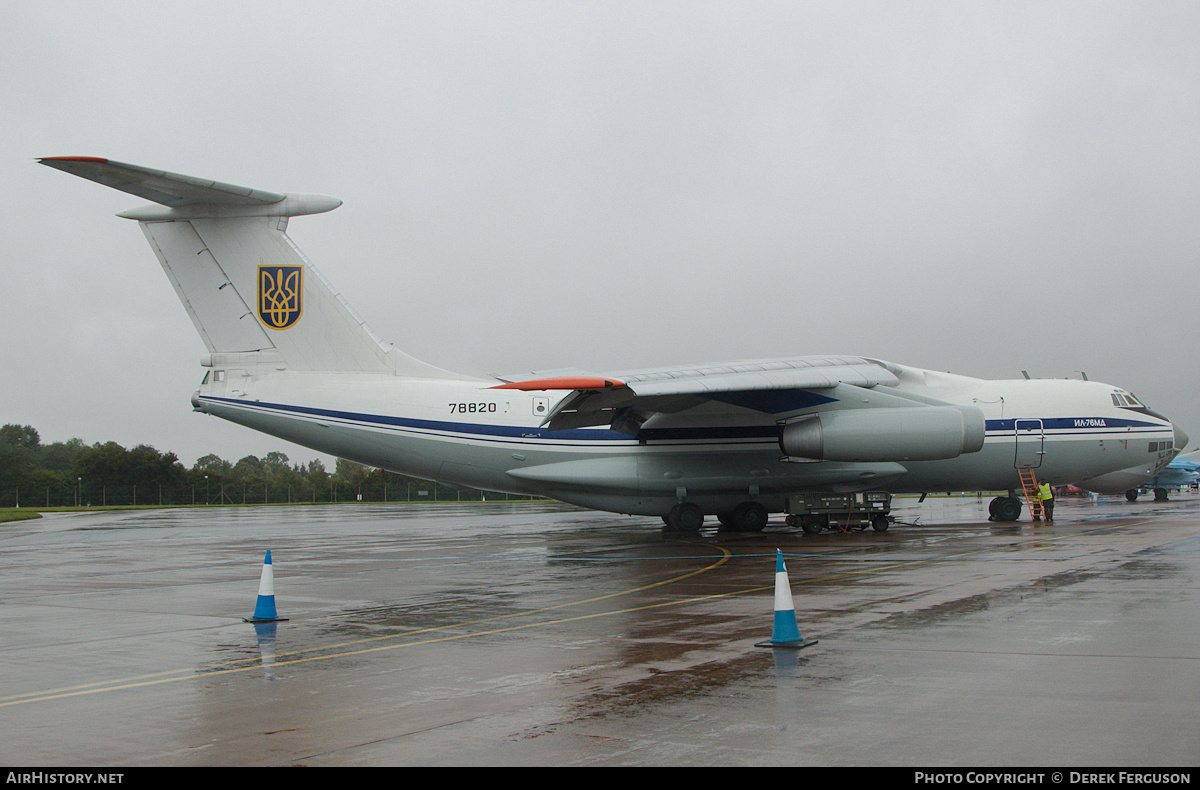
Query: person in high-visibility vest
column 1046, row 494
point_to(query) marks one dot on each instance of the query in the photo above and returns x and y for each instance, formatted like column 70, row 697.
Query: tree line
column 73, row 473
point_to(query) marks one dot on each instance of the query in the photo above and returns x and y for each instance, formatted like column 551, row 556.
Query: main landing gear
column 746, row 517
column 688, row 517
column 1160, row 495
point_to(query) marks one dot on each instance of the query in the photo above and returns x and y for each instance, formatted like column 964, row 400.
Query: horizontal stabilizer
column 159, row 186
column 188, row 197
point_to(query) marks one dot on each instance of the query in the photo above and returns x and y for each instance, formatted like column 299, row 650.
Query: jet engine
column 918, row 433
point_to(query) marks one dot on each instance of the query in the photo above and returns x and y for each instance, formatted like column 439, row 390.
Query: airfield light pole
column 206, row 499
column 78, row 488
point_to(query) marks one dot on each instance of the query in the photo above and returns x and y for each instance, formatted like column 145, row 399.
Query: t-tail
column 253, row 296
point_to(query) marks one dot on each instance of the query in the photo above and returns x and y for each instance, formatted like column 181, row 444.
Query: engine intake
column 919, row 433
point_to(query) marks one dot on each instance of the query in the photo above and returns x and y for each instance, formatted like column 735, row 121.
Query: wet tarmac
column 532, row 634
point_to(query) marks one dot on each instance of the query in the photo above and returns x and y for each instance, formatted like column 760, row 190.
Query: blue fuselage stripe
column 1098, row 427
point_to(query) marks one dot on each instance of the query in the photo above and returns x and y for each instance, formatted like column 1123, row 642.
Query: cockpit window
column 1124, row 400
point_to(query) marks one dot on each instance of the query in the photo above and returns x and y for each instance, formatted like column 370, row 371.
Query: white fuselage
column 466, row 432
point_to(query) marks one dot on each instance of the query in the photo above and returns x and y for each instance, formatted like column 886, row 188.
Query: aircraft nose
column 1181, row 438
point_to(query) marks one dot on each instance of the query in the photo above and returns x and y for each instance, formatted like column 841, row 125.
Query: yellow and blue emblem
column 280, row 300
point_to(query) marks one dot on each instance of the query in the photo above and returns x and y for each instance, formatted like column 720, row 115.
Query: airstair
column 1033, row 497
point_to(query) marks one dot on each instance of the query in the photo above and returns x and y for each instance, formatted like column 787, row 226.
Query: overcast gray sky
column 974, row 187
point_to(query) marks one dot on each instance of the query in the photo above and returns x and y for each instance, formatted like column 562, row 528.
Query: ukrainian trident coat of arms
column 280, row 299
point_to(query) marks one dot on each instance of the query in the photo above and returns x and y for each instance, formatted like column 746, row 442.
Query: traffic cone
column 786, row 632
column 264, row 610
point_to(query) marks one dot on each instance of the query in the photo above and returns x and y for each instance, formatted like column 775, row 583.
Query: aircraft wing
column 772, row 386
column 1190, row 462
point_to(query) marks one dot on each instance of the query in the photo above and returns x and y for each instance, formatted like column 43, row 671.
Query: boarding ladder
column 1033, row 497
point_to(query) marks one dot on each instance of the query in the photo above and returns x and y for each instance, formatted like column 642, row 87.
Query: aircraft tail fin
column 251, row 293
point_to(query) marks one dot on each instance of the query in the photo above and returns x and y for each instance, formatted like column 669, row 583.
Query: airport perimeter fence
column 186, row 496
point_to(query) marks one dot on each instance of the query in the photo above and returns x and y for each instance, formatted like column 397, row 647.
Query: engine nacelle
column 918, row 433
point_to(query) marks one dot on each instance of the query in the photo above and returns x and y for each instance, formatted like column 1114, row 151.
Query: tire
column 685, row 517
column 1009, row 509
column 813, row 525
column 881, row 523
column 1131, row 494
column 750, row 517
column 994, row 506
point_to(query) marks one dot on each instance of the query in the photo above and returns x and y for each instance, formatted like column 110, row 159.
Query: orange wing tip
column 562, row 383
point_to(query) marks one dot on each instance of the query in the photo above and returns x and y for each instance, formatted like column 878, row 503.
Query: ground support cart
column 814, row 512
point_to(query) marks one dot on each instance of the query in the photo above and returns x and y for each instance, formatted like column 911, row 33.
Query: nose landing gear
column 1004, row 508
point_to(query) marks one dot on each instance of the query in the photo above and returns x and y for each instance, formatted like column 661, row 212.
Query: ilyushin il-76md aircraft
column 288, row 356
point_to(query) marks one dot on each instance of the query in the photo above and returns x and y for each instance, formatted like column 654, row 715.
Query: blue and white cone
column 786, row 632
column 264, row 610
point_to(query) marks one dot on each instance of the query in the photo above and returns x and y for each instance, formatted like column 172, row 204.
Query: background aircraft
column 1183, row 471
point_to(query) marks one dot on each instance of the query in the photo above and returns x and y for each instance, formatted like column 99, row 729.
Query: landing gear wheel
column 1009, row 509
column 750, row 517
column 1131, row 494
column 881, row 523
column 814, row 524
column 727, row 521
column 994, row 507
column 1160, row 495
column 685, row 517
